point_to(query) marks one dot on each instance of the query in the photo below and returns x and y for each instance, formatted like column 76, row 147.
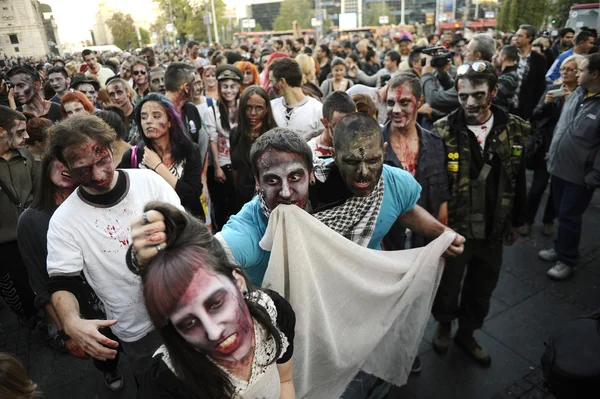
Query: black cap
column 227, row 71
column 81, row 78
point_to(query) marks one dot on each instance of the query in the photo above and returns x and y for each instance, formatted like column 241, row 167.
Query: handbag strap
column 134, row 159
column 10, row 195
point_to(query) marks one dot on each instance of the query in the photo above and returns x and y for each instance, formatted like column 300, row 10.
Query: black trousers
column 14, row 281
column 536, row 191
column 480, row 265
column 222, row 196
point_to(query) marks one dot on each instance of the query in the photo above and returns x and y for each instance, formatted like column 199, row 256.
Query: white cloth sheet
column 356, row 308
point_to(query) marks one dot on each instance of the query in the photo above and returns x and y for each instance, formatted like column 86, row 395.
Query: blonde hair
column 307, row 65
column 14, row 382
column 576, row 58
column 71, row 68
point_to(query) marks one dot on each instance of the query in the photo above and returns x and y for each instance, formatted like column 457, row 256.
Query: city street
column 526, row 308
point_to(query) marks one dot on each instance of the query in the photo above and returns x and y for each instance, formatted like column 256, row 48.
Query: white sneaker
column 560, row 271
column 548, row 255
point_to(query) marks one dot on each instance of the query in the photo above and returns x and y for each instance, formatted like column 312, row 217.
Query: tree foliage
column 188, row 18
column 145, row 35
column 373, row 11
column 123, row 31
column 516, row 12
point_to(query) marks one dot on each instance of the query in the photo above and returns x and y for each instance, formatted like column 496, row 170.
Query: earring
column 245, row 294
column 312, row 182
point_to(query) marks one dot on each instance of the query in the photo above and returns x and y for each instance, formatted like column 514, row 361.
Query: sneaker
column 525, row 230
column 549, row 255
column 114, row 380
column 441, row 340
column 416, row 366
column 467, row 343
column 548, row 229
column 560, row 271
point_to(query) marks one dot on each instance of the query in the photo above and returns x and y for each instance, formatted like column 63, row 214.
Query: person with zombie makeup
column 26, row 83
column 125, row 71
column 337, row 105
column 121, row 95
column 97, row 243
column 167, row 151
column 486, row 174
column 223, row 337
column 75, row 103
column 255, row 117
column 157, row 80
column 17, row 178
column 148, row 54
column 141, row 85
column 221, row 118
column 114, row 117
column 94, row 68
column 88, row 86
column 59, row 81
column 293, row 109
column 250, row 74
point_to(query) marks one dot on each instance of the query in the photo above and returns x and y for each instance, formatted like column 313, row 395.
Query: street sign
column 347, row 20
column 170, row 27
column 489, row 15
column 207, row 18
column 248, row 23
column 315, row 22
column 384, row 20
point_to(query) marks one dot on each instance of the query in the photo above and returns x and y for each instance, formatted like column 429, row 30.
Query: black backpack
column 571, row 363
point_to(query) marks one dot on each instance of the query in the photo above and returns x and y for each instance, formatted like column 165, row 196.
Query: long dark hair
column 223, row 108
column 46, row 190
column 190, row 246
column 181, row 145
column 242, row 138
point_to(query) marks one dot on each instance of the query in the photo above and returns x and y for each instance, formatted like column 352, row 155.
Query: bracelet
column 154, row 170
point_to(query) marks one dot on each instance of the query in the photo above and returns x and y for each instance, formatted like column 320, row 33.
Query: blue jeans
column 570, row 201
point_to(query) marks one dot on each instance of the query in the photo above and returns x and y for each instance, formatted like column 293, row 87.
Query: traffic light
column 553, row 21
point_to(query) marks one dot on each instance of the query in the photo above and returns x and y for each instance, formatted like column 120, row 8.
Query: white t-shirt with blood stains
column 481, row 131
column 94, row 239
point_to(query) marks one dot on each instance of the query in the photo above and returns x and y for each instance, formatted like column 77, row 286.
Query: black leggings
column 222, row 196
column 14, row 281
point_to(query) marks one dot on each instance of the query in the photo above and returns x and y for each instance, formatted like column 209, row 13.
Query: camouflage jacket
column 504, row 144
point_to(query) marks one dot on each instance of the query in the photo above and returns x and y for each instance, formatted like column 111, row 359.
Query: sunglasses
column 476, row 66
column 139, row 72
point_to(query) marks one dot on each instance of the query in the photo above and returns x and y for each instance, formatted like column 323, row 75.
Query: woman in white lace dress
column 223, row 338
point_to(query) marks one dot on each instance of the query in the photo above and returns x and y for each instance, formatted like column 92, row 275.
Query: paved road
column 526, row 308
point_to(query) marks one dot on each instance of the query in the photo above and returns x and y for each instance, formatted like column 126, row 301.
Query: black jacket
column 533, row 86
column 188, row 187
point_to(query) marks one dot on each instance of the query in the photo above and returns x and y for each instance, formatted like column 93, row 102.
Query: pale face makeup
column 140, row 75
column 23, row 87
column 213, row 317
column 58, row 82
column 89, row 91
column 283, row 178
column 17, row 135
column 402, row 106
column 91, row 165
column 229, row 89
column 60, row 175
column 74, row 108
column 475, row 100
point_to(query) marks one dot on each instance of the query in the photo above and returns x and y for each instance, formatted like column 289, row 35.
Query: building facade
column 27, row 29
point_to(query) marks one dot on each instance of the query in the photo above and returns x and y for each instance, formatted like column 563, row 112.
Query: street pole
column 402, row 8
column 212, row 2
column 476, row 9
column 171, row 19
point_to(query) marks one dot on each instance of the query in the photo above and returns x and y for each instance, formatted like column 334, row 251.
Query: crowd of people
column 137, row 189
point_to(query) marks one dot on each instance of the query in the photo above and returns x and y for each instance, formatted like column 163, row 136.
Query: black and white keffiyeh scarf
column 355, row 219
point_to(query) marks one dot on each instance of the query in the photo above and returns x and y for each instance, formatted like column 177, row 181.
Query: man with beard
column 179, row 81
column 88, row 85
column 157, row 80
column 323, row 55
column 486, row 175
column 125, row 71
column 17, row 177
column 293, row 109
column 97, row 243
column 59, row 81
column 26, row 83
column 148, row 54
column 193, row 54
column 94, row 67
column 139, row 70
column 121, row 95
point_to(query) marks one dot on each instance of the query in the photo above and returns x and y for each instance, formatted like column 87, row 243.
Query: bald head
column 353, row 126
